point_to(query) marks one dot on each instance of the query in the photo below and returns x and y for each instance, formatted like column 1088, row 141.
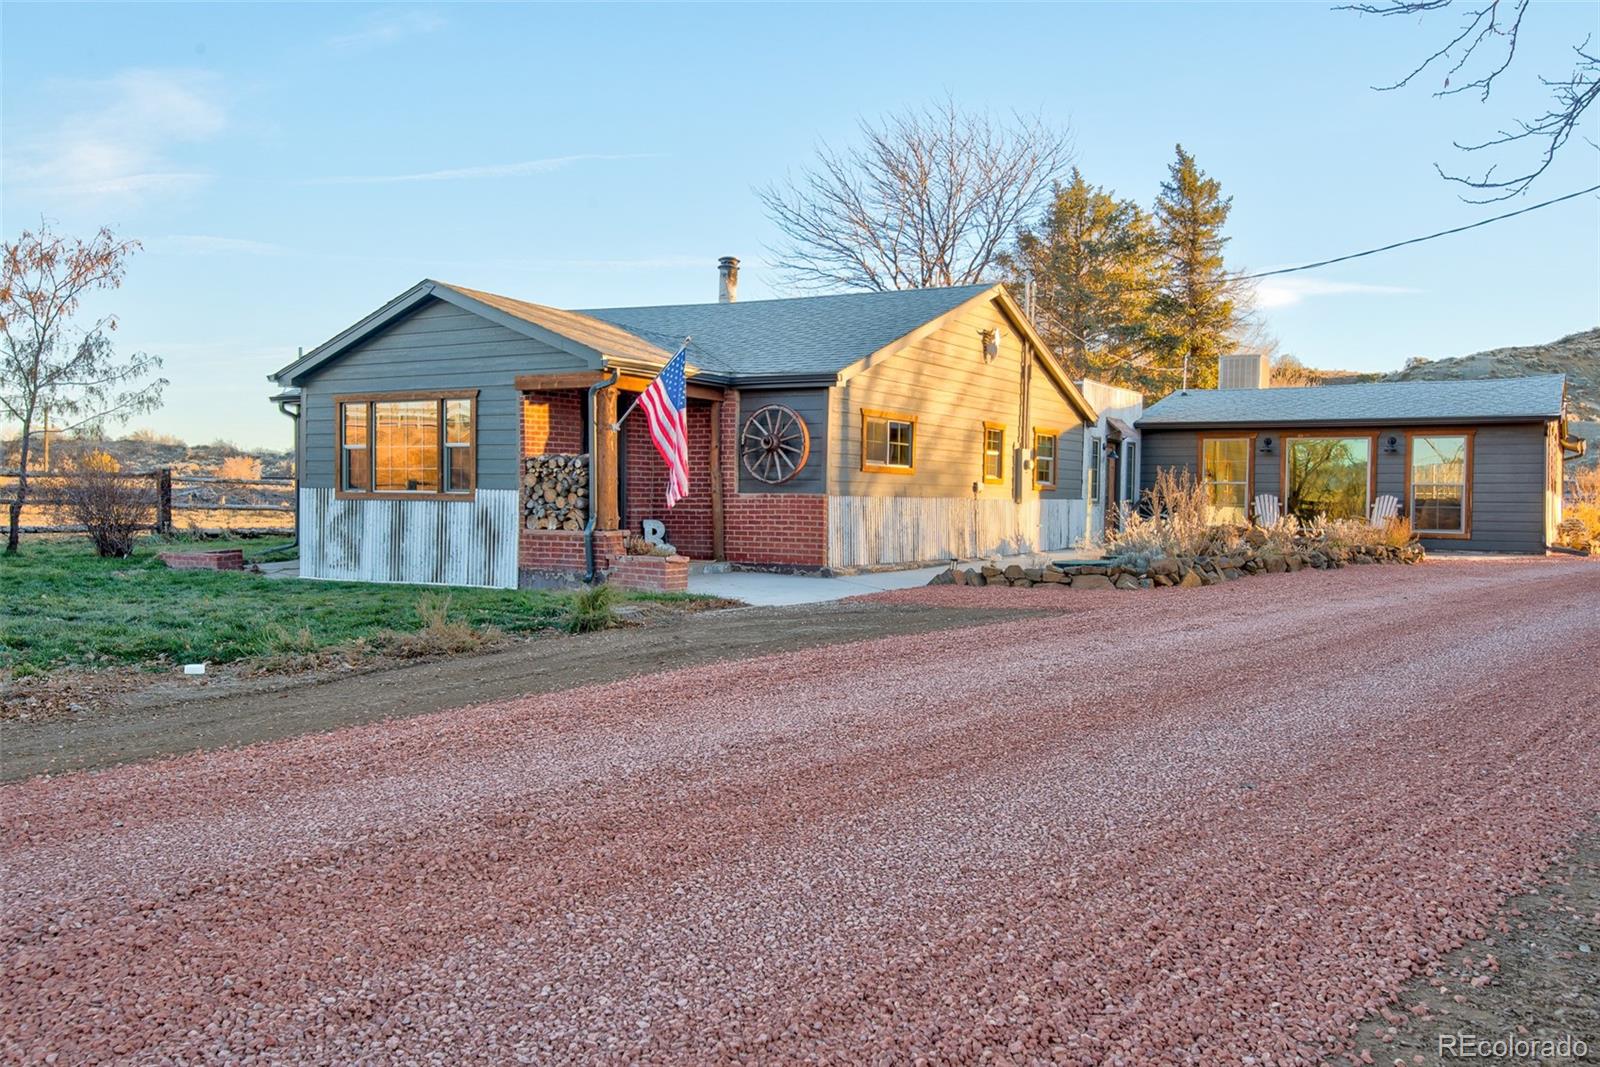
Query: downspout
column 594, row 477
column 283, row 408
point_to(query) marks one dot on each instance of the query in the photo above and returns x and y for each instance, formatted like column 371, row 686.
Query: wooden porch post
column 607, row 514
column 718, row 533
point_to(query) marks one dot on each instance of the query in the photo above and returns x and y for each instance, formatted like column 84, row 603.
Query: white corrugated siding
column 868, row 531
column 435, row 542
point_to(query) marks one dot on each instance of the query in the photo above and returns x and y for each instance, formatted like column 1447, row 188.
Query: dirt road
column 1178, row 826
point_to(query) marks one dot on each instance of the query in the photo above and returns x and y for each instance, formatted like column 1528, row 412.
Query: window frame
column 999, row 454
column 1055, row 458
column 1465, row 533
column 439, row 396
column 1249, row 438
column 869, row 467
column 1333, row 434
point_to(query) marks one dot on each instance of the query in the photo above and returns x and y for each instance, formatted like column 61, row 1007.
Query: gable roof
column 812, row 339
column 794, row 337
column 1366, row 403
column 593, row 341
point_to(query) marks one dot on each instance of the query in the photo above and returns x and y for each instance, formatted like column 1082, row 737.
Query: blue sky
column 289, row 167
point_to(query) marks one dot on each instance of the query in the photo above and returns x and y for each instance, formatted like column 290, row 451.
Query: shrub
column 591, row 609
column 1584, row 504
column 1359, row 533
column 439, row 635
column 246, row 468
column 112, row 508
column 1171, row 522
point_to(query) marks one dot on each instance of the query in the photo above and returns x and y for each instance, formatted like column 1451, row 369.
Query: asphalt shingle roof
column 1482, row 399
column 797, row 336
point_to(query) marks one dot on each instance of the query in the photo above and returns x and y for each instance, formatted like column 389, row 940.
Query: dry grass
column 439, row 635
column 1171, row 522
column 1583, row 502
column 1359, row 533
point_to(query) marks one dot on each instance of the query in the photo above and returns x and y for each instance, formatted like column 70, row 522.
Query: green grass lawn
column 62, row 605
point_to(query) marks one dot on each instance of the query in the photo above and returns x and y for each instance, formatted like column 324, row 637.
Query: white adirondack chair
column 1384, row 509
column 1267, row 510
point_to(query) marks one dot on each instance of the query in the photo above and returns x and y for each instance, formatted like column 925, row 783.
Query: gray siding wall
column 812, row 406
column 438, row 346
column 1508, row 479
column 1052, row 412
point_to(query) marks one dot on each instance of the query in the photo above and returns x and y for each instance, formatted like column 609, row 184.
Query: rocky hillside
column 146, row 451
column 1576, row 355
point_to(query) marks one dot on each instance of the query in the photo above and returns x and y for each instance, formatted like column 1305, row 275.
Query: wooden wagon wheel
column 775, row 444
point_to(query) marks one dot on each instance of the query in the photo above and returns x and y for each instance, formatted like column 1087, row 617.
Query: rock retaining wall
column 1182, row 571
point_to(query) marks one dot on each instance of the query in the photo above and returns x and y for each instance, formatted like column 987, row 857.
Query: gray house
column 824, row 433
column 1475, row 465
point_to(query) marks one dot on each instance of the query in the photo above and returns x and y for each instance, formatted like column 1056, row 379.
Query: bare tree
column 45, row 360
column 1479, row 52
column 928, row 198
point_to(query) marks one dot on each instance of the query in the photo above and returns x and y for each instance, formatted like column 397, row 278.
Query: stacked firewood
column 555, row 492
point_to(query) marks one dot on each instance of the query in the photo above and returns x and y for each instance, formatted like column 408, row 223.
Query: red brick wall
column 689, row 521
column 552, row 422
column 659, row 574
column 561, row 551
column 768, row 529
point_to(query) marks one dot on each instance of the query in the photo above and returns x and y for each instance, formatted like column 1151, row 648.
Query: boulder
column 1162, row 579
column 1051, row 576
column 1164, row 565
column 1091, row 581
column 991, row 571
column 1190, row 579
column 1013, row 572
column 1033, row 574
column 1026, row 583
column 1276, row 565
column 1127, row 581
column 1232, row 574
column 1208, row 576
column 1255, row 536
column 958, row 576
column 975, row 578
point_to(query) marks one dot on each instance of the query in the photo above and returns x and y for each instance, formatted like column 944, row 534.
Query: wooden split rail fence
column 196, row 502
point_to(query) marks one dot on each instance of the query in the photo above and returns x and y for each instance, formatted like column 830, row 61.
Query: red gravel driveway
column 1182, row 826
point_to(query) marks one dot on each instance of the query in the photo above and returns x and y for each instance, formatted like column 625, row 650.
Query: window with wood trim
column 888, row 442
column 1046, row 461
column 407, row 444
column 1329, row 476
column 994, row 452
column 1439, row 496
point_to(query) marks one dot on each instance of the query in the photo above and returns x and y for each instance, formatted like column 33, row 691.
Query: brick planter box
column 651, row 574
column 230, row 559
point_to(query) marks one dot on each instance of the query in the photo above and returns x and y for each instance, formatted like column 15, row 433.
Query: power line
column 1419, row 240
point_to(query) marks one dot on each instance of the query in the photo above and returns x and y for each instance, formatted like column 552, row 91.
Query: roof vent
column 727, row 279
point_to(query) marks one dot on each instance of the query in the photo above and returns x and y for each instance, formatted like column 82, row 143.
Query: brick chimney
column 727, row 279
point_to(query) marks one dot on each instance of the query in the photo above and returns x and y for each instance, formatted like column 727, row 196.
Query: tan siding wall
column 945, row 382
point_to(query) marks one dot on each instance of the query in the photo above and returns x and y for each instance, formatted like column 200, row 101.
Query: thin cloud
column 387, row 30
column 1286, row 292
column 117, row 144
column 492, row 170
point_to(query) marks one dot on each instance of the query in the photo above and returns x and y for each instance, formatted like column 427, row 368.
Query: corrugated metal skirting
column 866, row 531
column 435, row 542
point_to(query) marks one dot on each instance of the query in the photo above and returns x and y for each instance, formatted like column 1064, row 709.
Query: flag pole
column 615, row 426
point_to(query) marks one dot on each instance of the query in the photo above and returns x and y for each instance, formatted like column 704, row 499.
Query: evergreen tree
column 1094, row 263
column 1194, row 312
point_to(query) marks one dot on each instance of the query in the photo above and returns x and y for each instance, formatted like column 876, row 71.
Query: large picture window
column 1439, row 472
column 888, row 442
column 1329, row 476
column 1225, row 477
column 407, row 444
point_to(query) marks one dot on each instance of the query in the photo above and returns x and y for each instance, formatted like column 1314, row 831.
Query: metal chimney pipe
column 727, row 279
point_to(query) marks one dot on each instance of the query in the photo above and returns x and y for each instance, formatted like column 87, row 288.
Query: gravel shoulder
column 225, row 711
column 1186, row 827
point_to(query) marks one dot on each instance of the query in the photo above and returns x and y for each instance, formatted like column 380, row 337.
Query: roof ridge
column 974, row 286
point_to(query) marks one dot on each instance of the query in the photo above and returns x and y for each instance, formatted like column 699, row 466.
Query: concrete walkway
column 776, row 590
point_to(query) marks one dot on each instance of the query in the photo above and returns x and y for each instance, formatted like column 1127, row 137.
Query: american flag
column 665, row 405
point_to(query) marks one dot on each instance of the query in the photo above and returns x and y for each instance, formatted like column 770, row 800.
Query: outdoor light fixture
column 1266, row 444
column 1391, row 443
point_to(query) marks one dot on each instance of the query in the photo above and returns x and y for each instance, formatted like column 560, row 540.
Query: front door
column 1113, row 491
